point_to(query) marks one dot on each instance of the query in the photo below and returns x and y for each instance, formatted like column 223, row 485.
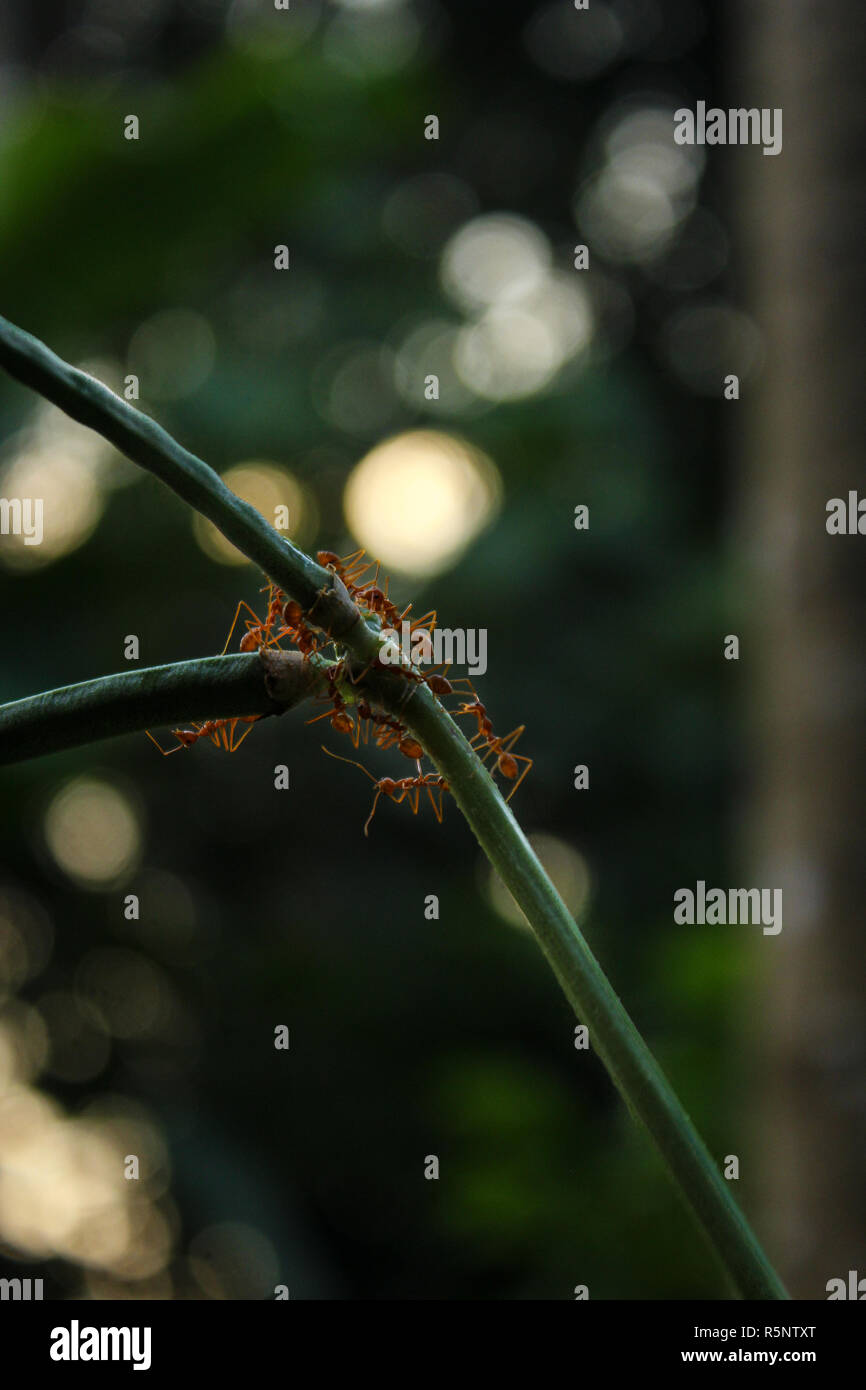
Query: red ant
column 259, row 633
column 390, row 731
column 339, row 716
column 302, row 636
column 506, row 762
column 221, row 732
column 439, row 684
column 401, row 788
column 368, row 716
column 376, row 600
column 349, row 568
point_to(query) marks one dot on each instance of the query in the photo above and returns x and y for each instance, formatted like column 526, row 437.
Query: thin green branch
column 213, row 687
column 634, row 1070
column 145, row 442
column 613, row 1035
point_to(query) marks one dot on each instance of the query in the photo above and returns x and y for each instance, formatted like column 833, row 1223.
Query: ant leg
column 516, row 758
column 249, row 720
column 351, row 566
column 356, row 680
column 428, row 620
column 275, row 595
column 520, row 759
column 258, row 623
column 437, row 809
column 375, row 576
column 354, row 578
column 464, row 680
column 273, row 638
column 387, row 737
column 404, row 792
column 352, row 761
column 508, row 742
column 317, row 717
column 375, row 803
column 506, row 746
column 210, row 729
column 442, row 667
column 166, row 752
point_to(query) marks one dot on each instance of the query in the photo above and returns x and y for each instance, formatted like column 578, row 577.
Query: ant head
column 388, row 786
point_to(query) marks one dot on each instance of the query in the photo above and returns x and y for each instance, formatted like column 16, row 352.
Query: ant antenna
column 351, row 761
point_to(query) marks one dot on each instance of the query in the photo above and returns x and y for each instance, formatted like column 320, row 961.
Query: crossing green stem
column 612, row 1033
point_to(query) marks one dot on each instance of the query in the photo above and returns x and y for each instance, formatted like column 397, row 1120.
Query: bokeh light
column 509, row 353
column 525, row 319
column 267, row 487
column 93, row 832
column 129, row 991
column 570, row 46
column 71, row 507
column 374, row 38
column 705, row 342
column 26, row 938
column 80, row 1045
column 172, row 353
column 495, row 259
column 63, row 1190
column 232, row 1260
column 630, row 207
column 418, row 499
column 24, row 1044
column 515, row 350
column 69, row 468
column 567, row 868
column 428, row 349
column 353, row 388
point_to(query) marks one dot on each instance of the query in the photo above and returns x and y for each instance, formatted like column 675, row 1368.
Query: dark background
column 409, row 1037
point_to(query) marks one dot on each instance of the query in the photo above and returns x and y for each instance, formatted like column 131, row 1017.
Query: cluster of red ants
column 355, row 716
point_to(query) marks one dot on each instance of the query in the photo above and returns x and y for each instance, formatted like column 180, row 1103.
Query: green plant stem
column 613, row 1035
column 145, row 442
column 213, row 687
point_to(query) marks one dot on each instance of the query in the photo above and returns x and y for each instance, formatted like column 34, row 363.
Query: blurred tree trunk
column 803, row 257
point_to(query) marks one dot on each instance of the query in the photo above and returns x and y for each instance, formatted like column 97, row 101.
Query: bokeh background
column 558, row 387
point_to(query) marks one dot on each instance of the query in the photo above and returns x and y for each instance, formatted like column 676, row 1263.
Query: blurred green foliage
column 409, row 1037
